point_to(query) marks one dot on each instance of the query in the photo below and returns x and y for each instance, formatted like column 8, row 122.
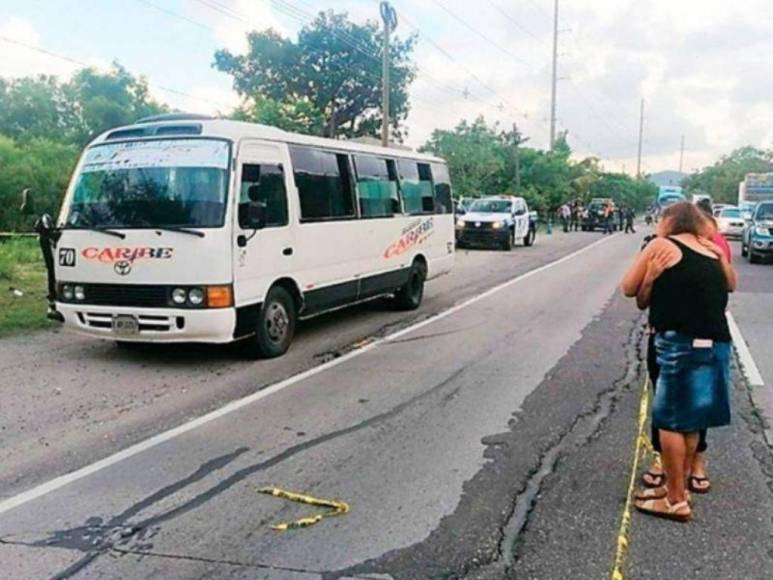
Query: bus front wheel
column 276, row 324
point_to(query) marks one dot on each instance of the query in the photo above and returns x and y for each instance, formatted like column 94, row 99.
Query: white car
column 730, row 222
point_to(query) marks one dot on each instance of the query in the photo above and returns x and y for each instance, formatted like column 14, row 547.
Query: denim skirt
column 693, row 389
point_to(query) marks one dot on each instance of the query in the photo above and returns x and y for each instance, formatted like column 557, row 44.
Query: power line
column 477, row 32
column 86, row 65
column 514, row 21
column 175, row 15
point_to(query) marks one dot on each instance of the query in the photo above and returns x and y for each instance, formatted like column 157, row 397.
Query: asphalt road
column 493, row 440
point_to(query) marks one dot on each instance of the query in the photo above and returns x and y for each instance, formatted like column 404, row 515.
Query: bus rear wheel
column 276, row 324
column 409, row 297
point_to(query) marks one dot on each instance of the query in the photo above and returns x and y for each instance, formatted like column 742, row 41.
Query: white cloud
column 250, row 15
column 19, row 61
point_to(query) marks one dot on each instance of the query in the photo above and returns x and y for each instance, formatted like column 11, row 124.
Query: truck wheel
column 276, row 324
column 753, row 258
column 409, row 297
column 528, row 239
column 509, row 241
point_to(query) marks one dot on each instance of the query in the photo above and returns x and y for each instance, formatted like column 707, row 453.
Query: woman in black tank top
column 689, row 277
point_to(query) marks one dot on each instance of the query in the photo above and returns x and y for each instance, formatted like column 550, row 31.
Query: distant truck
column 755, row 187
column 669, row 195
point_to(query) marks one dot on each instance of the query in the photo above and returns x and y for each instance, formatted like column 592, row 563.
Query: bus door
column 264, row 255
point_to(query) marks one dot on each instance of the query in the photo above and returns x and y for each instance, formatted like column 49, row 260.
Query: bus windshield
column 170, row 183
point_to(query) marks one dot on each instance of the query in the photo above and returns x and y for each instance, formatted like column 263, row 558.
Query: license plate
column 124, row 325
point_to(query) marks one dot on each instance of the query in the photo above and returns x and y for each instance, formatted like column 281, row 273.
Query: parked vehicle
column 746, row 208
column 593, row 217
column 730, row 222
column 757, row 240
column 499, row 221
column 188, row 229
column 463, row 204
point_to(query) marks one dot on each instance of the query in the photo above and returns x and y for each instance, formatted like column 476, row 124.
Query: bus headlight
column 79, row 293
column 196, row 296
column 460, row 223
column 498, row 225
column 179, row 296
column 67, row 292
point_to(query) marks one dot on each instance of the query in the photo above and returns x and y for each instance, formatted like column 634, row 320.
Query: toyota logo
column 123, row 267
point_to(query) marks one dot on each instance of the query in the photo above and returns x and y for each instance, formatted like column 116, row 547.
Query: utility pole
column 641, row 136
column 389, row 16
column 554, row 79
column 681, row 155
column 518, row 140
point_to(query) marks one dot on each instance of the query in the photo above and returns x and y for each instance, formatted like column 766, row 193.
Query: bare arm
column 656, row 257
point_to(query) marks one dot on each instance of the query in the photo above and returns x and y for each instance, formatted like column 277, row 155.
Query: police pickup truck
column 499, row 221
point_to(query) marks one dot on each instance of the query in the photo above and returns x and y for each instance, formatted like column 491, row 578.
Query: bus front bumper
column 215, row 325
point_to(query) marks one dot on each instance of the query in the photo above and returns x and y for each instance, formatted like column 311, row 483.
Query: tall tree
column 721, row 179
column 76, row 111
column 332, row 73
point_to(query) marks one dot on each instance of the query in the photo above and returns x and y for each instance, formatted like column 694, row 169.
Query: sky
column 702, row 67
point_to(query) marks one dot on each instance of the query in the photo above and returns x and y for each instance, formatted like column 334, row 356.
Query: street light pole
column 389, row 17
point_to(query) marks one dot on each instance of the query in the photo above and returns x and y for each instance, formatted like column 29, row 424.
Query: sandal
column 694, row 481
column 655, row 479
column 657, row 493
column 662, row 508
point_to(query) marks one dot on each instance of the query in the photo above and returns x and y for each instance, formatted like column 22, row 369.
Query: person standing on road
column 576, row 211
column 688, row 279
column 620, row 218
column 565, row 213
column 609, row 215
column 629, row 217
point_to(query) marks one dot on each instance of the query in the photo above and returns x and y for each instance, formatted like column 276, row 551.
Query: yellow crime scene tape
column 642, row 448
column 337, row 508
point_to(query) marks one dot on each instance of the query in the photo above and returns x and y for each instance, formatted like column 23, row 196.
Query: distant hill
column 667, row 178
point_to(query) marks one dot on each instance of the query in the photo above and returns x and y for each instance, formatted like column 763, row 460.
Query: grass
column 22, row 269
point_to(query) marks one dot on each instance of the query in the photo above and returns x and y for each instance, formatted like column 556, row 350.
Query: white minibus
column 187, row 229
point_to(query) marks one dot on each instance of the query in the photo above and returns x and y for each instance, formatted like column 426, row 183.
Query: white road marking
column 63, row 480
column 749, row 367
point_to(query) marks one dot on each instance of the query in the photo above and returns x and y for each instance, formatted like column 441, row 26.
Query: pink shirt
column 720, row 240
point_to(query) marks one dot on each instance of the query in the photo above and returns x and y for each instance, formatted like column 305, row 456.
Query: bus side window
column 442, row 188
column 416, row 187
column 377, row 186
column 324, row 184
column 266, row 184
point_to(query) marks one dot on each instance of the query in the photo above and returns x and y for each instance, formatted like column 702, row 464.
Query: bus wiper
column 100, row 230
column 180, row 230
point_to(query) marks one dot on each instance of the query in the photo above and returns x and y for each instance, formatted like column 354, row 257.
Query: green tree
column 35, row 107
column 476, row 157
column 73, row 112
column 721, row 179
column 42, row 165
column 106, row 100
column 332, row 73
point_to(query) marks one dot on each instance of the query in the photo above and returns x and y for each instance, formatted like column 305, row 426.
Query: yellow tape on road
column 338, row 508
column 641, row 448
